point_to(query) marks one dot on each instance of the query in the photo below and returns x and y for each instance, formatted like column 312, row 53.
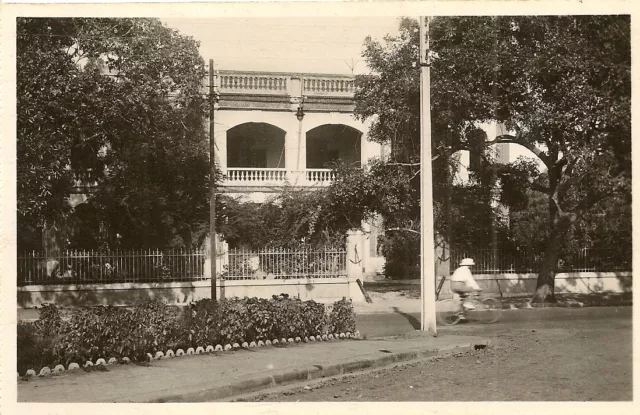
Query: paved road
column 536, row 355
column 393, row 324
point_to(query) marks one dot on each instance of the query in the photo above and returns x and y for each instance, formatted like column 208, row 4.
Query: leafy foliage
column 342, row 317
column 296, row 217
column 80, row 334
column 560, row 84
column 121, row 99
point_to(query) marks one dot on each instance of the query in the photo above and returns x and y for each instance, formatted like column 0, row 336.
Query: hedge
column 63, row 336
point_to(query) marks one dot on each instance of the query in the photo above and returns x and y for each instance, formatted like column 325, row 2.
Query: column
column 302, row 154
column 220, row 127
column 295, row 148
column 355, row 264
column 221, row 149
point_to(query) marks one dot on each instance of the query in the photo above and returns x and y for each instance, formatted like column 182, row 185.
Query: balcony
column 286, row 84
column 277, row 177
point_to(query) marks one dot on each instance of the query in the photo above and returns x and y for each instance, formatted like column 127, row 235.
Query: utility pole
column 427, row 248
column 212, row 182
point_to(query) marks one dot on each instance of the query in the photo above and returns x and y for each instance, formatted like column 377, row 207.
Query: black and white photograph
column 330, row 207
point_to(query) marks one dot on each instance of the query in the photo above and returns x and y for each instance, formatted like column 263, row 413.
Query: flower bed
column 63, row 337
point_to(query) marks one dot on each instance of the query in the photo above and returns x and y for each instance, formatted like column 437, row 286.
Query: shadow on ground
column 415, row 323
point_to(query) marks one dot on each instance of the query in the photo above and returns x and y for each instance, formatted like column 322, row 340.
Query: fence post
column 355, row 264
column 221, row 257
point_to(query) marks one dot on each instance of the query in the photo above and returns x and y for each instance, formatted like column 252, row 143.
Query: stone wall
column 326, row 290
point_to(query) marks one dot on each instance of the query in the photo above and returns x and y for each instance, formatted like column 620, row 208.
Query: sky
column 305, row 44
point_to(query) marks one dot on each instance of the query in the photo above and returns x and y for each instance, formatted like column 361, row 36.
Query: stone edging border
column 46, row 371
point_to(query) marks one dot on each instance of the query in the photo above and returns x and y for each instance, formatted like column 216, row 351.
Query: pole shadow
column 415, row 323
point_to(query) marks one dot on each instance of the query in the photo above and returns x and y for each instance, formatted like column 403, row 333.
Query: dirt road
column 582, row 356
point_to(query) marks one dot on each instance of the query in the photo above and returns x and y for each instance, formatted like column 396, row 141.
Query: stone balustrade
column 255, row 175
column 254, row 83
column 330, row 86
column 273, row 83
column 250, row 176
column 320, row 175
column 84, row 181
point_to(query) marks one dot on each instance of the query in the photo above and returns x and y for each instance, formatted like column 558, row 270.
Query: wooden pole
column 212, row 180
column 427, row 257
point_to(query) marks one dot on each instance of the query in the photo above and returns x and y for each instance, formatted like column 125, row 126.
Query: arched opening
column 255, row 145
column 329, row 143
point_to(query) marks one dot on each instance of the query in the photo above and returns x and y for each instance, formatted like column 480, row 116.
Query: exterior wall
column 275, row 99
column 321, row 290
column 571, row 282
column 504, row 153
column 295, row 140
column 373, row 262
column 180, row 293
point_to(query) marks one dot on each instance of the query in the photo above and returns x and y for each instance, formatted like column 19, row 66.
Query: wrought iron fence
column 286, row 264
column 494, row 261
column 175, row 265
column 87, row 267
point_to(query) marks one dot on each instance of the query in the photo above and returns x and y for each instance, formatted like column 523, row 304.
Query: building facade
column 277, row 129
column 286, row 129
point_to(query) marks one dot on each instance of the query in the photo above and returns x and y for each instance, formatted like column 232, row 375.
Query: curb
column 523, row 306
column 46, row 370
column 579, row 304
column 309, row 373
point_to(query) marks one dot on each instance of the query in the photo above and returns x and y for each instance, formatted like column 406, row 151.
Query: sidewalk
column 224, row 374
column 394, row 301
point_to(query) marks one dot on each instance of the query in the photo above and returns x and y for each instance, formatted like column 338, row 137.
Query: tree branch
column 403, row 164
column 402, row 230
column 518, row 139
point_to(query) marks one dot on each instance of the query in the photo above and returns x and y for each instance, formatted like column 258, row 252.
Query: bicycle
column 487, row 311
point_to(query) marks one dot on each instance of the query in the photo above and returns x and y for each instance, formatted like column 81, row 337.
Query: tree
column 390, row 97
column 120, row 98
column 604, row 233
column 560, row 84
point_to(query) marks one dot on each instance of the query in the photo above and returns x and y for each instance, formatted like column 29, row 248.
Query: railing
column 84, row 181
column 255, row 175
column 283, row 264
column 248, row 176
column 331, row 86
column 270, row 83
column 259, row 83
column 320, row 175
column 92, row 267
column 497, row 261
column 176, row 265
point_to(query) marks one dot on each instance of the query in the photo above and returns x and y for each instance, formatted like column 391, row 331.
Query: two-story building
column 276, row 129
column 285, row 129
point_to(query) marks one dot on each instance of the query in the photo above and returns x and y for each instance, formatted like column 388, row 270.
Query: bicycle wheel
column 487, row 311
column 448, row 312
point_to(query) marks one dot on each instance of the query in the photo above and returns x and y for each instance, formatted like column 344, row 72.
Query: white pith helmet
column 467, row 262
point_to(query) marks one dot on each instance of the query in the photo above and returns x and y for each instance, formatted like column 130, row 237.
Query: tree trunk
column 545, row 287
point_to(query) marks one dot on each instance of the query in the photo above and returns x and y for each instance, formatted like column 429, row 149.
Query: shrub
column 63, row 336
column 35, row 350
column 402, row 253
column 316, row 318
column 261, row 319
column 199, row 324
column 289, row 320
column 342, row 318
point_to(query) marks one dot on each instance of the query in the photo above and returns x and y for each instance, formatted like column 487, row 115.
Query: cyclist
column 463, row 283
